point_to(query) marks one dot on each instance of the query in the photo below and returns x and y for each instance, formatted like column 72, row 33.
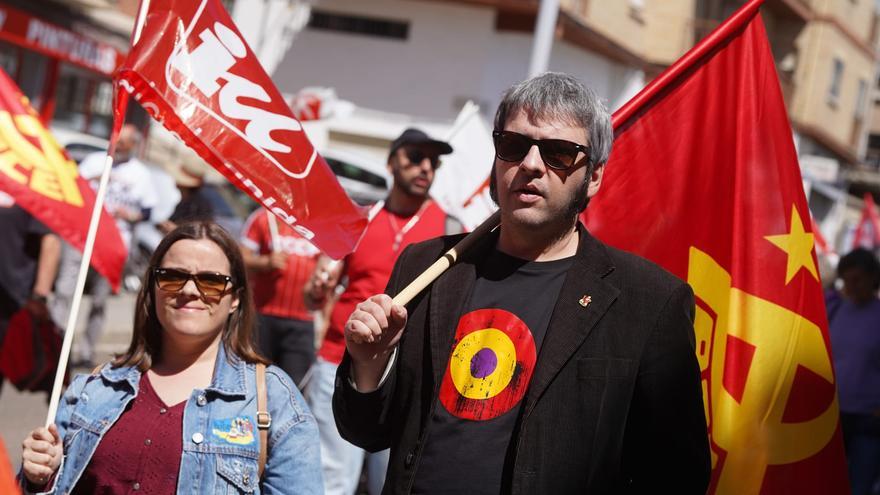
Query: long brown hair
column 238, row 334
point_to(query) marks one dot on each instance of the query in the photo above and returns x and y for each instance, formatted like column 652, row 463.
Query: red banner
column 704, row 180
column 7, row 477
column 822, row 246
column 192, row 70
column 40, row 36
column 35, row 171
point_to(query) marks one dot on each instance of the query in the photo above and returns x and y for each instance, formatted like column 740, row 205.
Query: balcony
column 799, row 10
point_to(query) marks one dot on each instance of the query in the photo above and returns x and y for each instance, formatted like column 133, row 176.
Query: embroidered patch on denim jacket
column 238, row 431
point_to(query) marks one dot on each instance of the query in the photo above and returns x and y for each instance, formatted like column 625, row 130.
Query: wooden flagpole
column 447, row 260
column 273, row 232
column 70, row 328
column 80, row 286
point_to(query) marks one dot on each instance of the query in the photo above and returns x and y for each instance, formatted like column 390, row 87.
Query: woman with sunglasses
column 180, row 412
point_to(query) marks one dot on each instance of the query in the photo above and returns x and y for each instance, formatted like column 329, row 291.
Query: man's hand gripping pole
column 447, row 260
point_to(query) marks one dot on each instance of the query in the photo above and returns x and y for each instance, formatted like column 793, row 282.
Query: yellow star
column 798, row 244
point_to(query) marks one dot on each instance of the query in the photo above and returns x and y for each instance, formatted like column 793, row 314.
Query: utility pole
column 545, row 30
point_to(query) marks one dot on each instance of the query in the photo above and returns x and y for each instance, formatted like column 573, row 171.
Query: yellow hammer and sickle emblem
column 751, row 431
column 43, row 168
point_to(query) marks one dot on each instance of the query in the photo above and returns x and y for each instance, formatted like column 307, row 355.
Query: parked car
column 365, row 180
column 77, row 144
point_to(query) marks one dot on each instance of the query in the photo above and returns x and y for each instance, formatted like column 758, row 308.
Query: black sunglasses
column 209, row 284
column 416, row 155
column 556, row 153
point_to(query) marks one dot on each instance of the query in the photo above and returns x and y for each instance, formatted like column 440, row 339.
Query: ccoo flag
column 41, row 179
column 705, row 165
column 192, row 70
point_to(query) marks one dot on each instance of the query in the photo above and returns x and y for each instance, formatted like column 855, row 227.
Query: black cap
column 418, row 138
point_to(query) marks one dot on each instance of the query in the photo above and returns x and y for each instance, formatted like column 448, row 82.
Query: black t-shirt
column 19, row 251
column 490, row 367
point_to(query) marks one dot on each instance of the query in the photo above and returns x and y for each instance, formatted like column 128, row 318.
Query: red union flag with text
column 41, row 179
column 704, row 180
column 192, row 70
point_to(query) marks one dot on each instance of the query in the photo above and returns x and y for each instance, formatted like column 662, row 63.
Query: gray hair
column 561, row 97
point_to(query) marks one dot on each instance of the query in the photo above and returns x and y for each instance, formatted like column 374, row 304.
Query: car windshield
column 350, row 171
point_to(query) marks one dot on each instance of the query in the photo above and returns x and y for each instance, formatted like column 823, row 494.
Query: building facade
column 420, row 62
column 826, row 58
column 62, row 55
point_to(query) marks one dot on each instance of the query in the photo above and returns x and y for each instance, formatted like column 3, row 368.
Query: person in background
column 193, row 205
column 854, row 326
column 280, row 264
column 408, row 215
column 129, row 199
column 179, row 411
column 29, row 255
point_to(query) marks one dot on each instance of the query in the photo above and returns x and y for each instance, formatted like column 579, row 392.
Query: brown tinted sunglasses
column 208, row 283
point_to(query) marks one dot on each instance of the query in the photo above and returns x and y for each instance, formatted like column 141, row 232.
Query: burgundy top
column 141, row 452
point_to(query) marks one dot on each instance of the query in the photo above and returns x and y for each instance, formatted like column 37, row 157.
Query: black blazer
column 615, row 404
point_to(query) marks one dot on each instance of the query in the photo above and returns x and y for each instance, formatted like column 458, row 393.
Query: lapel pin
column 585, row 300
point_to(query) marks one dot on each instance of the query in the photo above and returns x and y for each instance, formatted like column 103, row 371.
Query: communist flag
column 704, row 180
column 35, row 171
column 192, row 70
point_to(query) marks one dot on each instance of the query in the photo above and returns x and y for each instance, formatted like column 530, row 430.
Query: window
column 229, row 5
column 354, row 172
column 861, row 99
column 83, row 101
column 366, row 26
column 9, row 59
column 836, row 76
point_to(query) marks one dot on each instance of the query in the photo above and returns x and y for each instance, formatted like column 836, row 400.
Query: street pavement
column 20, row 412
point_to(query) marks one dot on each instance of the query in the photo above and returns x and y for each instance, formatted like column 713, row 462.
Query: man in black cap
column 407, row 215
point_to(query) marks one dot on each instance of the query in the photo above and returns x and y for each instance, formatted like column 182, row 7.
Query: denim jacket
column 210, row 464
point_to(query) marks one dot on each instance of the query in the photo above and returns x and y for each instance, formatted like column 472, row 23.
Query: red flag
column 40, row 177
column 704, row 180
column 7, row 477
column 192, row 70
column 867, row 233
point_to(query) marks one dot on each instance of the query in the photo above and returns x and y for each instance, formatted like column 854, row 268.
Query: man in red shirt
column 407, row 215
column 280, row 262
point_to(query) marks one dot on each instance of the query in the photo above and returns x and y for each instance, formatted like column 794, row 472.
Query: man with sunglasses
column 544, row 361
column 407, row 215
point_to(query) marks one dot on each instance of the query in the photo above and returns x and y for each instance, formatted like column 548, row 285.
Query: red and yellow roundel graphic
column 493, row 357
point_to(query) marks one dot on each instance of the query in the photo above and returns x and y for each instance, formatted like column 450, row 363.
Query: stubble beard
column 559, row 222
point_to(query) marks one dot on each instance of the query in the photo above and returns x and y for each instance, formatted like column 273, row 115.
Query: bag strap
column 264, row 420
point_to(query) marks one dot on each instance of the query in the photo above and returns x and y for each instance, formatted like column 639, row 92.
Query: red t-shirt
column 280, row 292
column 369, row 267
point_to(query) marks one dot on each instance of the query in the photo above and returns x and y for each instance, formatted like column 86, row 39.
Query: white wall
column 269, row 26
column 453, row 54
column 613, row 82
column 441, row 60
